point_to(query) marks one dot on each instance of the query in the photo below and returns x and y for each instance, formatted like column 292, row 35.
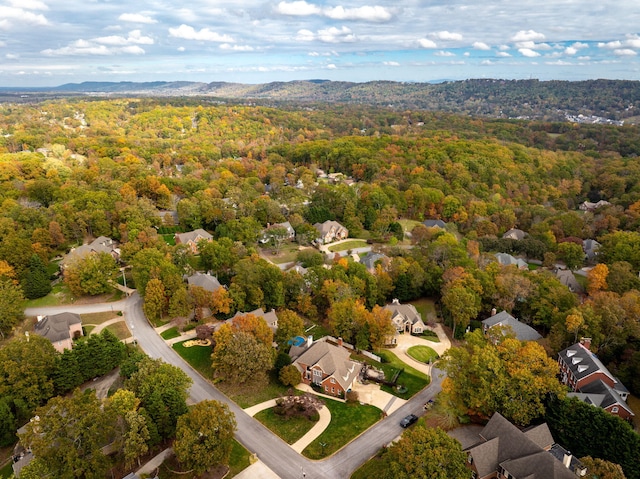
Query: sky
column 53, row 42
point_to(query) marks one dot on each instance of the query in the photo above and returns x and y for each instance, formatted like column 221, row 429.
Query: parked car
column 408, row 420
column 428, row 405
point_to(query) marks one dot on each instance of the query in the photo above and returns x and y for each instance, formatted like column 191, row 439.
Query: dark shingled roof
column 55, row 327
column 522, row 331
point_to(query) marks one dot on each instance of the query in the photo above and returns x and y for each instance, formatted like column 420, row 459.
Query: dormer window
column 576, row 360
column 582, row 368
column 571, row 352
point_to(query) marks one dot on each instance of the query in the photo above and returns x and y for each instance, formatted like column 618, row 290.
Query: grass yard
column 239, row 460
column 427, row 309
column 410, row 378
column 347, row 245
column 348, row 420
column 6, row 471
column 429, row 336
column 288, row 253
column 170, row 239
column 171, row 333
column 247, row 395
column 316, row 330
column 408, row 225
column 98, row 318
column 119, row 329
column 289, row 429
column 60, row 294
column 423, row 354
column 199, row 357
column 87, row 329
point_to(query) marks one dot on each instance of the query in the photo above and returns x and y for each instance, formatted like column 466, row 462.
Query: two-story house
column 192, row 238
column 330, row 231
column 405, row 318
column 60, row 329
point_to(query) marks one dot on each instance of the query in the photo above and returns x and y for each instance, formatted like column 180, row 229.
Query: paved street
column 270, row 449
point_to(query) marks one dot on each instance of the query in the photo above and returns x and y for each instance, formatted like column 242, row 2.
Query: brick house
column 590, row 380
column 330, row 231
column 405, row 318
column 192, row 238
column 326, row 365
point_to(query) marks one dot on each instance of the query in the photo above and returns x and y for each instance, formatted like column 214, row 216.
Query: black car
column 408, row 421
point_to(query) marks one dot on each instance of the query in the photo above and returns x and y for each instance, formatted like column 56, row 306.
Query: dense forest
column 596, row 100
column 72, row 170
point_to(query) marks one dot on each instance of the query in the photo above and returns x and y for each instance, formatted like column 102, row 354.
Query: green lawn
column 410, row 378
column 119, row 329
column 427, row 309
column 424, row 354
column 87, row 329
column 248, row 395
column 199, row 357
column 171, row 333
column 347, row 245
column 6, row 471
column 60, row 294
column 240, row 459
column 98, row 318
column 288, row 253
column 348, row 420
column 408, row 225
column 290, row 429
column 170, row 239
column 429, row 336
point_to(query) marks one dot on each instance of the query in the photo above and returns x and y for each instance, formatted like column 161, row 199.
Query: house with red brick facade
column 192, row 238
column 590, row 380
column 326, row 365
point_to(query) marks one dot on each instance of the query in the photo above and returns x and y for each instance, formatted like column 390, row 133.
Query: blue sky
column 51, row 42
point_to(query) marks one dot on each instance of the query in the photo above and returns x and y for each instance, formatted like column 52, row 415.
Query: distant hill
column 595, row 100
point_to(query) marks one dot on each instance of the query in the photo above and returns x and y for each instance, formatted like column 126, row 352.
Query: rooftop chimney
column 340, row 342
column 566, row 459
column 309, row 341
column 586, row 342
column 396, row 301
column 493, row 311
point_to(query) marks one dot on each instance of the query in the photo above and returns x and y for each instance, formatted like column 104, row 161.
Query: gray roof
column 520, row 453
column 506, row 259
column 522, row 331
column 583, row 362
column 325, row 228
column 101, row 244
column 434, row 224
column 515, row 233
column 333, row 360
column 195, row 236
column 407, row 312
column 602, row 395
column 369, row 260
column 205, row 281
column 270, row 318
column 567, row 278
column 55, row 327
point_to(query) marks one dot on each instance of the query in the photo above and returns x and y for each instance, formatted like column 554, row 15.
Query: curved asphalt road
column 270, row 449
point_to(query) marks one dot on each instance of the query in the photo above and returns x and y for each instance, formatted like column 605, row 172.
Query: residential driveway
column 405, row 341
column 372, row 394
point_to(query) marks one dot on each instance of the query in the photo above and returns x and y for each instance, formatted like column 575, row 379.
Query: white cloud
column 481, row 46
column 11, row 56
column 29, row 4
column 445, row 35
column 624, row 52
column 12, row 16
column 2, row 44
column 503, row 54
column 90, row 47
column 305, row 36
column 559, row 63
column 527, row 52
column 236, row 48
column 133, row 50
column 444, row 53
column 204, row 34
column 467, row 54
column 366, row 13
column 633, row 41
column 332, row 66
column 336, row 35
column 135, row 37
column 299, row 8
column 136, row 18
column 527, row 35
column 426, row 43
column 391, row 64
column 611, row 45
column 181, row 49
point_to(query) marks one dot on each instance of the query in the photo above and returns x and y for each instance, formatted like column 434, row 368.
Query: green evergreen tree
column 35, row 282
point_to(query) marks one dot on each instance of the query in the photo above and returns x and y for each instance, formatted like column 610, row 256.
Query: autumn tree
column 93, row 274
column 510, row 377
column 425, row 453
column 155, row 301
column 290, row 375
column 290, row 325
column 601, row 469
column 131, row 430
column 597, row 278
column 11, row 301
column 204, row 436
column 68, row 434
column 574, row 323
column 239, row 357
column 622, row 277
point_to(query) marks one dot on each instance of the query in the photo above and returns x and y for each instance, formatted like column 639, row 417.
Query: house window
column 333, row 380
column 614, row 409
column 469, row 458
column 317, row 376
column 333, row 390
column 326, row 388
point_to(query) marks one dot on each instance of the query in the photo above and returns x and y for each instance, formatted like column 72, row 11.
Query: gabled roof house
column 516, row 234
column 584, row 373
column 330, row 231
column 270, row 318
column 326, row 365
column 523, row 332
column 504, row 451
column 192, row 238
column 506, row 259
column 60, row 329
column 101, row 244
column 405, row 318
column 205, row 281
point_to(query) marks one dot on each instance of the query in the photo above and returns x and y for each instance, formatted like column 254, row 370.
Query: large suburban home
column 192, row 238
column 326, row 365
column 405, row 318
column 266, row 234
column 101, row 244
column 589, row 206
column 205, row 281
column 60, row 329
column 590, row 380
column 566, row 277
column 506, row 259
column 435, row 224
column 330, row 231
column 515, row 234
column 270, row 318
column 370, row 259
column 523, row 332
column 590, row 248
column 505, row 452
